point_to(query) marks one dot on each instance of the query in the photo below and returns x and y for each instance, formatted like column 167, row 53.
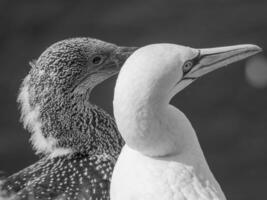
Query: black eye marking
column 97, row 60
column 196, row 59
column 188, row 65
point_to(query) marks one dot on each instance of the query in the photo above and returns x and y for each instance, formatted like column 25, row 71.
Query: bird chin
column 179, row 87
column 91, row 81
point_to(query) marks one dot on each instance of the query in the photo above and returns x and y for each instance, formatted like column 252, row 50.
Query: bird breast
column 144, row 178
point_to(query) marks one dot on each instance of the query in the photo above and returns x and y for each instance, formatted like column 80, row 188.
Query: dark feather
column 73, row 177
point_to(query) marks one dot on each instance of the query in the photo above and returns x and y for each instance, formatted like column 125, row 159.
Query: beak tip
column 254, row 48
column 259, row 49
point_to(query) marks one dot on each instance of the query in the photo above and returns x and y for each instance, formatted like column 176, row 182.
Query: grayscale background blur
column 228, row 108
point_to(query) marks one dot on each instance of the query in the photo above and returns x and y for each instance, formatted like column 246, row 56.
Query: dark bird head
column 54, row 95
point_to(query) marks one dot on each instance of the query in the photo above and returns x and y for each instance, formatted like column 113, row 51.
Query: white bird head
column 173, row 67
column 152, row 75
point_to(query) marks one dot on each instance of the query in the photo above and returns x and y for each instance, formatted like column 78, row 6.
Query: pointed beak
column 117, row 59
column 122, row 53
column 213, row 58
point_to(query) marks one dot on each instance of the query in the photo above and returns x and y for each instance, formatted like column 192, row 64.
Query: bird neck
column 84, row 128
column 152, row 126
column 61, row 123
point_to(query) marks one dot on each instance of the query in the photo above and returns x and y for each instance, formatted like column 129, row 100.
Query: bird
column 78, row 142
column 162, row 158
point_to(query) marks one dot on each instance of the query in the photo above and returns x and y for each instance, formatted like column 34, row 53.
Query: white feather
column 30, row 117
column 162, row 158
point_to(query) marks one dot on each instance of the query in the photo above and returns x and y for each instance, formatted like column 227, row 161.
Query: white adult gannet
column 162, row 158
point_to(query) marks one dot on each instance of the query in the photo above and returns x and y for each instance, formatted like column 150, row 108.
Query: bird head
column 59, row 83
column 169, row 68
column 148, row 80
column 78, row 65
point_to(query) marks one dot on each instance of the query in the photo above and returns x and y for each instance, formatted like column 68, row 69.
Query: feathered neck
column 146, row 120
column 63, row 124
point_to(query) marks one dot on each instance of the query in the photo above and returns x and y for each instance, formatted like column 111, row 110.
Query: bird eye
column 187, row 66
column 97, row 60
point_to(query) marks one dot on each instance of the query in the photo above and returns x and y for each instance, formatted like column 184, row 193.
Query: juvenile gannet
column 162, row 158
column 78, row 140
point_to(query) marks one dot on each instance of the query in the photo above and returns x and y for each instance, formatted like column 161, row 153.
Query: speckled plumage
column 70, row 133
column 63, row 111
column 68, row 178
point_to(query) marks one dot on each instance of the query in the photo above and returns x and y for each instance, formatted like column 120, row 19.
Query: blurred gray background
column 228, row 112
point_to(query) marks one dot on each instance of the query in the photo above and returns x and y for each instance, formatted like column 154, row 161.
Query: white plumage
column 162, row 158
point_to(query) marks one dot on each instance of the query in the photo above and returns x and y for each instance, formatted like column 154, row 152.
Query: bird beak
column 214, row 58
column 122, row 53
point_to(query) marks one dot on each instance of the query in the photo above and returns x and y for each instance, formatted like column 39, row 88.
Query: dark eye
column 97, row 60
column 187, row 66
